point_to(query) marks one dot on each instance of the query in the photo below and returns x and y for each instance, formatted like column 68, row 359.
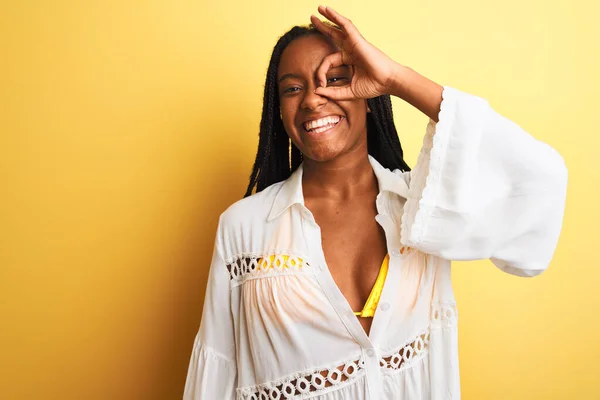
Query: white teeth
column 321, row 129
column 321, row 124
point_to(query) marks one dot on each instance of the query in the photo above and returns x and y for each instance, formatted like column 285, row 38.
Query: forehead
column 305, row 54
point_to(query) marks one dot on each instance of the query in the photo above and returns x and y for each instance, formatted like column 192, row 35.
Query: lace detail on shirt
column 405, row 357
column 252, row 266
column 444, row 315
column 427, row 178
column 300, row 384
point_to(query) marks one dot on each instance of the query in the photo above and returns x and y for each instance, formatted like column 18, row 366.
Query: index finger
column 333, row 32
column 331, row 61
column 339, row 19
column 336, row 93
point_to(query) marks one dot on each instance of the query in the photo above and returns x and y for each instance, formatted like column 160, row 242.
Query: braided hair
column 277, row 157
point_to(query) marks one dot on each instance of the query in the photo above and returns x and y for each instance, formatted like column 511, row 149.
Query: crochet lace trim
column 444, row 315
column 405, row 357
column 314, row 382
column 426, row 179
column 253, row 266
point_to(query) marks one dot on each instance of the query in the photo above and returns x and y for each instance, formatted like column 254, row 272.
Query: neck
column 340, row 179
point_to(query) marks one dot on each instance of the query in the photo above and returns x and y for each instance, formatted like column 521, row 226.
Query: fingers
column 331, row 61
column 335, row 34
column 336, row 93
column 339, row 19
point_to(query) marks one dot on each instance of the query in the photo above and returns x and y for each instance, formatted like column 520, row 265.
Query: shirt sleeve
column 484, row 188
column 212, row 371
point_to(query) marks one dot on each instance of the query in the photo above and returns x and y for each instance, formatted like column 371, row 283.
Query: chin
column 322, row 155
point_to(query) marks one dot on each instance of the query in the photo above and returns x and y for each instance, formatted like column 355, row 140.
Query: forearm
column 417, row 90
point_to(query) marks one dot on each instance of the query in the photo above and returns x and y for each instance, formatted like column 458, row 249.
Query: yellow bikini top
column 371, row 304
column 373, row 300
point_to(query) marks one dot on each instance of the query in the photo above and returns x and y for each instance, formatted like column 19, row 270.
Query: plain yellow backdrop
column 127, row 127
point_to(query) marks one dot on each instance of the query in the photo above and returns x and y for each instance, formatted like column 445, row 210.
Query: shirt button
column 370, row 352
column 385, row 306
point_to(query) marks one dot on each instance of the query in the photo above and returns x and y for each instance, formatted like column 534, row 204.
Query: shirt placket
column 370, row 351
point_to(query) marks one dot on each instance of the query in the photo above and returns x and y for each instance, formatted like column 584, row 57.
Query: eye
column 336, row 80
column 291, row 89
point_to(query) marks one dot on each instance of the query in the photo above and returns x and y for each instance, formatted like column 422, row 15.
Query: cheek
column 288, row 115
column 357, row 115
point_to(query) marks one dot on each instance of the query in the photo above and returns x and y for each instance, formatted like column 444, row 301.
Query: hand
column 373, row 71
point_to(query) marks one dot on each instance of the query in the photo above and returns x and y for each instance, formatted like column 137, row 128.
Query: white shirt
column 482, row 188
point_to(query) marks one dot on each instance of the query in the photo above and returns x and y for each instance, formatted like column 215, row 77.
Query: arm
column 417, row 90
column 212, row 371
column 374, row 73
column 484, row 188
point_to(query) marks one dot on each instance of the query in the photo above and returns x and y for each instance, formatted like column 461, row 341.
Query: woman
column 333, row 280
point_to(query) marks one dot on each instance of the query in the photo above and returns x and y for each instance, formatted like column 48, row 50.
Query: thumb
column 336, row 93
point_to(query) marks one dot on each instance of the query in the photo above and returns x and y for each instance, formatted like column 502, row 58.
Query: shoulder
column 250, row 210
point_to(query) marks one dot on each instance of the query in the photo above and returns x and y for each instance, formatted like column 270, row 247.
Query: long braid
column 272, row 163
column 382, row 137
column 296, row 157
column 277, row 157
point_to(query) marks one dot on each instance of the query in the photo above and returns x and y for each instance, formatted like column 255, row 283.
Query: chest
column 354, row 245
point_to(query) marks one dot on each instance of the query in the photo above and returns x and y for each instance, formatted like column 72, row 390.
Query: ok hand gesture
column 373, row 71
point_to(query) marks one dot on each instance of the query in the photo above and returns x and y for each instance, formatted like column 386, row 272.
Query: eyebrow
column 289, row 76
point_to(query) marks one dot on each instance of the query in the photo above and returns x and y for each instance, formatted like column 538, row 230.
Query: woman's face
column 321, row 128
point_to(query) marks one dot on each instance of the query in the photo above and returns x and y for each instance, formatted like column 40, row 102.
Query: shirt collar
column 290, row 192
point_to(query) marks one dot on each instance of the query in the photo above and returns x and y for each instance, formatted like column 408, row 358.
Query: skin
column 332, row 76
column 297, row 83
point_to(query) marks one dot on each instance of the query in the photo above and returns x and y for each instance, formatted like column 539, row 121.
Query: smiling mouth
column 322, row 124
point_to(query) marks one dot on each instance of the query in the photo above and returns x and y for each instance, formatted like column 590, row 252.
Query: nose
column 311, row 100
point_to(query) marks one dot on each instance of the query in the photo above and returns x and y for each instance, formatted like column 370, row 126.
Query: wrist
column 417, row 90
column 398, row 82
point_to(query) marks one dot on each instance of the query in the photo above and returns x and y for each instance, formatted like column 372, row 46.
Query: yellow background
column 126, row 127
